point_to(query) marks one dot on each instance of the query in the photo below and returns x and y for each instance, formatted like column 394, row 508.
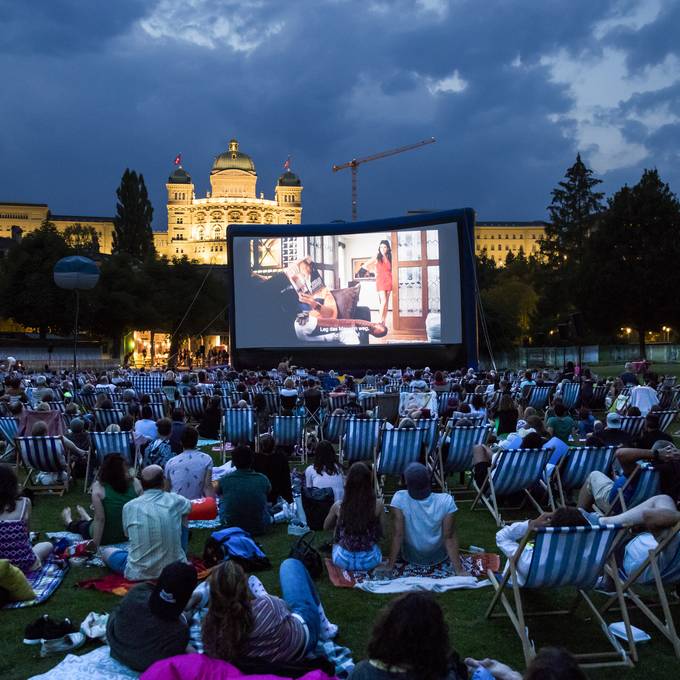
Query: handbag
column 304, row 550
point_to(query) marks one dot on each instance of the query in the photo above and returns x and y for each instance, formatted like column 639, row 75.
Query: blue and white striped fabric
column 157, row 410
column 399, row 448
column 57, row 406
column 288, row 430
column 538, row 396
column 225, row 402
column 647, row 484
column 361, row 438
column 461, row 441
column 367, row 400
column 599, row 394
column 238, row 425
column 569, row 556
column 87, row 399
column 169, row 392
column 41, row 453
column 106, row 443
column 333, row 427
column 581, row 461
column 666, row 418
column 108, row 416
column 337, row 401
column 194, row 405
column 146, row 384
column 442, row 402
column 633, row 425
column 430, row 428
column 570, row 393
column 518, row 469
column 669, row 565
column 9, row 427
column 273, row 402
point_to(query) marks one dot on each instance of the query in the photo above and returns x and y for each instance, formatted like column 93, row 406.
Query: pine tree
column 133, row 233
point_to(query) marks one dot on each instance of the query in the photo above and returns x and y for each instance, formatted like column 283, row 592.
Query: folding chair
column 103, row 417
column 146, row 384
column 9, row 426
column 461, row 440
column 398, row 448
column 290, row 431
column 574, row 468
column 194, row 406
column 387, row 406
column 106, row 443
column 157, row 410
column 443, row 402
column 170, row 392
column 666, row 419
column 57, row 406
column 514, row 470
column 633, row 425
column 87, row 400
column 660, row 569
column 333, row 428
column 430, row 428
column 368, row 400
column 538, row 396
column 238, row 427
column 564, row 557
column 599, row 395
column 361, row 439
column 570, row 394
column 273, row 402
column 645, row 479
column 337, row 401
column 43, row 454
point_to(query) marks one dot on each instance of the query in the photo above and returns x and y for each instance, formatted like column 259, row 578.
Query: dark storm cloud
column 89, row 93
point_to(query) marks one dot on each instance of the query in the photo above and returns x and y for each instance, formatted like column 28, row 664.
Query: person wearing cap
column 612, row 434
column 149, row 624
column 424, row 528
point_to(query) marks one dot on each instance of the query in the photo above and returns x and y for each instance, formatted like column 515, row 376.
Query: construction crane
column 356, row 162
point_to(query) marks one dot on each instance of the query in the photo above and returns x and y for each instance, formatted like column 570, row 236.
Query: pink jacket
column 201, row 667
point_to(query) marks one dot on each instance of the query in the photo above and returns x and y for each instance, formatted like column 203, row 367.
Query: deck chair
column 43, row 454
column 87, row 400
column 538, row 396
column 666, row 419
column 194, row 406
column 103, row 417
column 570, row 394
column 460, row 441
column 430, row 434
column 574, row 468
column 57, row 406
column 361, row 439
column 290, row 431
column 146, row 384
column 368, row 400
column 513, row 471
column 337, row 401
column 398, row 448
column 106, row 443
column 598, row 399
column 564, row 557
column 273, row 402
column 239, row 426
column 157, row 410
column 9, row 426
column 633, row 425
column 661, row 569
column 333, row 428
column 170, row 393
column 645, row 478
column 443, row 402
column 387, row 405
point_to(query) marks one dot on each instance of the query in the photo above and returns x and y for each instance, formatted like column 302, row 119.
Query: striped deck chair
column 104, row 417
column 669, row 380
column 443, row 402
column 87, row 399
column 398, row 448
column 368, row 400
column 333, row 428
column 273, row 402
column 290, row 431
column 337, row 401
column 43, row 454
column 666, row 419
column 431, row 434
column 361, row 439
column 57, row 406
column 633, row 425
column 514, row 470
column 146, row 384
column 599, row 394
column 239, row 426
column 538, row 396
column 564, row 557
column 661, row 569
column 194, row 406
column 460, row 441
column 106, row 443
column 226, row 402
column 169, row 391
column 574, row 468
column 157, row 410
column 9, row 427
column 645, row 479
column 570, row 394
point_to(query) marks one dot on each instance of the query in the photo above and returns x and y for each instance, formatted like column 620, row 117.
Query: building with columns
column 197, row 227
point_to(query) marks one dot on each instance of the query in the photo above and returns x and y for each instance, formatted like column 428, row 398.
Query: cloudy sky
column 511, row 89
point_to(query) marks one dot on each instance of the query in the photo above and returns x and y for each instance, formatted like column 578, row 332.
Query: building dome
column 289, row 179
column 179, row 176
column 233, row 159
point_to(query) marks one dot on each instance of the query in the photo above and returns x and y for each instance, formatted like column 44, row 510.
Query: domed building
column 197, row 227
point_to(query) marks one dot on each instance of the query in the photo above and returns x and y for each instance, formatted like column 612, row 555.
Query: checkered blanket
column 44, row 582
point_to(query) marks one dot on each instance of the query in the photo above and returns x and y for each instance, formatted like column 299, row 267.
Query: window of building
column 493, row 247
column 289, row 221
column 180, row 220
column 533, row 236
column 507, row 247
column 514, row 236
column 521, row 236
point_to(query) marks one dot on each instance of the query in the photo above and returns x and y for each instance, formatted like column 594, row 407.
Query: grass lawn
column 610, row 370
column 354, row 611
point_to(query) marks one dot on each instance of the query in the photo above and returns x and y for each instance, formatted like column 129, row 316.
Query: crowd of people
column 142, row 498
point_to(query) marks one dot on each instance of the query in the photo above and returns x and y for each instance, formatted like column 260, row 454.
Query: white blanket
column 410, row 583
column 95, row 664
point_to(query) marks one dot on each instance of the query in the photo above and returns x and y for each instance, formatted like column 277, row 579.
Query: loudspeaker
column 578, row 324
column 564, row 331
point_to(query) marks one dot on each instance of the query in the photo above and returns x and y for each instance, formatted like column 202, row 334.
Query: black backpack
column 304, row 550
column 317, row 504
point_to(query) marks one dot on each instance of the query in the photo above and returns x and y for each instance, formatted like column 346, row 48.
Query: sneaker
column 67, row 643
column 46, row 628
column 297, row 528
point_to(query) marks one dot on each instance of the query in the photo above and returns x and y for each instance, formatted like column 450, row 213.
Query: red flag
column 178, row 159
column 286, row 165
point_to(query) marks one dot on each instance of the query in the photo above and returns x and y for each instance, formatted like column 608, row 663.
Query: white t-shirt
column 325, row 481
column 423, row 539
column 644, row 398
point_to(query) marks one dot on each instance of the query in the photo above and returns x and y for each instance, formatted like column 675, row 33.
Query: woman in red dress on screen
column 381, row 264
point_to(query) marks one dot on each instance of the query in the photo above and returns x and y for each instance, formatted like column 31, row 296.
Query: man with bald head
column 153, row 522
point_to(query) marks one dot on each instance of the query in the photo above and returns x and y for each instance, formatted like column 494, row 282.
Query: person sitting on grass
column 272, row 462
column 15, row 516
column 241, row 624
column 159, row 452
column 325, row 473
column 189, row 473
column 423, row 526
column 410, row 641
column 113, row 488
column 357, row 521
column 149, row 624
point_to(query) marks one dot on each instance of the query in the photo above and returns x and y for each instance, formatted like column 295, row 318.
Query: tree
column 133, row 233
column 83, row 239
column 28, row 293
column 630, row 275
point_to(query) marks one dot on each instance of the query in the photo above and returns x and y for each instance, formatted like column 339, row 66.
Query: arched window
column 217, row 233
column 200, row 233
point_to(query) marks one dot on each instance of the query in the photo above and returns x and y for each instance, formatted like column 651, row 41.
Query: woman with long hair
column 381, row 264
column 113, row 488
column 326, row 473
column 410, row 641
column 244, row 622
column 357, row 522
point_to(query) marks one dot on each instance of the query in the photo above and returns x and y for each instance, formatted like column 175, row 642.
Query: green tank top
column 113, row 503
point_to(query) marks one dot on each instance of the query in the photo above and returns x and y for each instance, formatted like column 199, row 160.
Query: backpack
column 304, row 551
column 317, row 504
column 234, row 544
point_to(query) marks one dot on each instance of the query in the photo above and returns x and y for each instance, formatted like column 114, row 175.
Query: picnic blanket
column 95, row 664
column 44, row 582
column 119, row 585
column 437, row 578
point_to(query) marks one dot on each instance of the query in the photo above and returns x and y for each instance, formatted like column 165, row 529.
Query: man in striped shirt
column 153, row 522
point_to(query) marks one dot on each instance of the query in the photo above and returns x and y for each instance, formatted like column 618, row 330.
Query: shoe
column 297, row 528
column 67, row 643
column 46, row 628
